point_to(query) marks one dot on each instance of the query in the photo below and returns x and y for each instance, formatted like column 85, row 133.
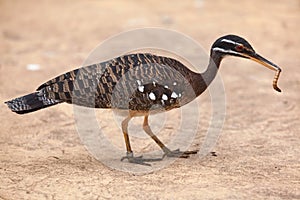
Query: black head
column 232, row 45
column 236, row 46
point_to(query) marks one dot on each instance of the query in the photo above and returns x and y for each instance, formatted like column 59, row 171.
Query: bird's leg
column 166, row 150
column 129, row 154
column 125, row 134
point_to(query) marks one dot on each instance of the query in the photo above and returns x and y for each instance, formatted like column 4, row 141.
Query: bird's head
column 233, row 45
column 236, row 46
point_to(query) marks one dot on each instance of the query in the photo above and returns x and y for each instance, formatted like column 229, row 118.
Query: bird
column 140, row 83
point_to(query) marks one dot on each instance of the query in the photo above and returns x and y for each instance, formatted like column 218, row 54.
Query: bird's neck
column 202, row 80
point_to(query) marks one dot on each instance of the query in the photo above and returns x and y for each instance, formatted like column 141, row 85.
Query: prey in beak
column 261, row 60
column 236, row 46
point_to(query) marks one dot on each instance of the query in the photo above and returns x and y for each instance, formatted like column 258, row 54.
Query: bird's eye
column 239, row 47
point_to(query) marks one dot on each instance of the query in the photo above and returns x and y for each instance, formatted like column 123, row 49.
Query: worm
column 275, row 81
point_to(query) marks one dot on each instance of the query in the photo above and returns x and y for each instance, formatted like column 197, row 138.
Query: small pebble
column 33, row 67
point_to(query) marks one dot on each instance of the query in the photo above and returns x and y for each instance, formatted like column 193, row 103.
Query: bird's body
column 140, row 83
column 137, row 82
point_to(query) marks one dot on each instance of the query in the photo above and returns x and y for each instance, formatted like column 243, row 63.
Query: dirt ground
column 257, row 154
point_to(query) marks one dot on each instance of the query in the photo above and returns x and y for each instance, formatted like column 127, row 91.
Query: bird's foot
column 139, row 159
column 179, row 154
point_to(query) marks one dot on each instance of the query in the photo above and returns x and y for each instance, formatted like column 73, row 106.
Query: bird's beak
column 261, row 60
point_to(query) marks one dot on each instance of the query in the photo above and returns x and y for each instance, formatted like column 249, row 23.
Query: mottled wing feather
column 126, row 82
column 67, row 76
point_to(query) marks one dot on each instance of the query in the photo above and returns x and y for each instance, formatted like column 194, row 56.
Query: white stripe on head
column 225, row 51
column 230, row 41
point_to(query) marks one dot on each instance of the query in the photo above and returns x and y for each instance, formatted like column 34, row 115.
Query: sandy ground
column 258, row 154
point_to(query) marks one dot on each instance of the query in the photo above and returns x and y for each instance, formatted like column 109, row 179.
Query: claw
column 179, row 154
column 139, row 159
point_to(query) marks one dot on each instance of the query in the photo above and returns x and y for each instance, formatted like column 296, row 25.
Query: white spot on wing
column 152, row 96
column 174, row 83
column 139, row 82
column 154, row 84
column 141, row 88
column 164, row 97
column 174, row 95
column 166, row 86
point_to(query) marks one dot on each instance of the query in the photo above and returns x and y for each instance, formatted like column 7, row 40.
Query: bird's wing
column 77, row 86
column 156, row 83
column 117, row 83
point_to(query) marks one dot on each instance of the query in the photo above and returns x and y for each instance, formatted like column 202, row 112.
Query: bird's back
column 140, row 82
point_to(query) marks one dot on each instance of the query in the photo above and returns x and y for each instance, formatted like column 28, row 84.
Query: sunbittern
column 156, row 84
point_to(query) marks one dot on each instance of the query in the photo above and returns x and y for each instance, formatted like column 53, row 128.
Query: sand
column 256, row 156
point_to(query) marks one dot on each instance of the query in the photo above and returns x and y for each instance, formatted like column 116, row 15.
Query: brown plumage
column 140, row 83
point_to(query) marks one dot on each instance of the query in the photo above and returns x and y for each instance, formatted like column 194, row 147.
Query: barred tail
column 31, row 102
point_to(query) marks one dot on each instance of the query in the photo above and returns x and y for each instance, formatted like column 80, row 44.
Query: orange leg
column 166, row 150
column 129, row 155
column 125, row 133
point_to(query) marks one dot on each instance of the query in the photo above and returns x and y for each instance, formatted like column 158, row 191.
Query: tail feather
column 31, row 102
